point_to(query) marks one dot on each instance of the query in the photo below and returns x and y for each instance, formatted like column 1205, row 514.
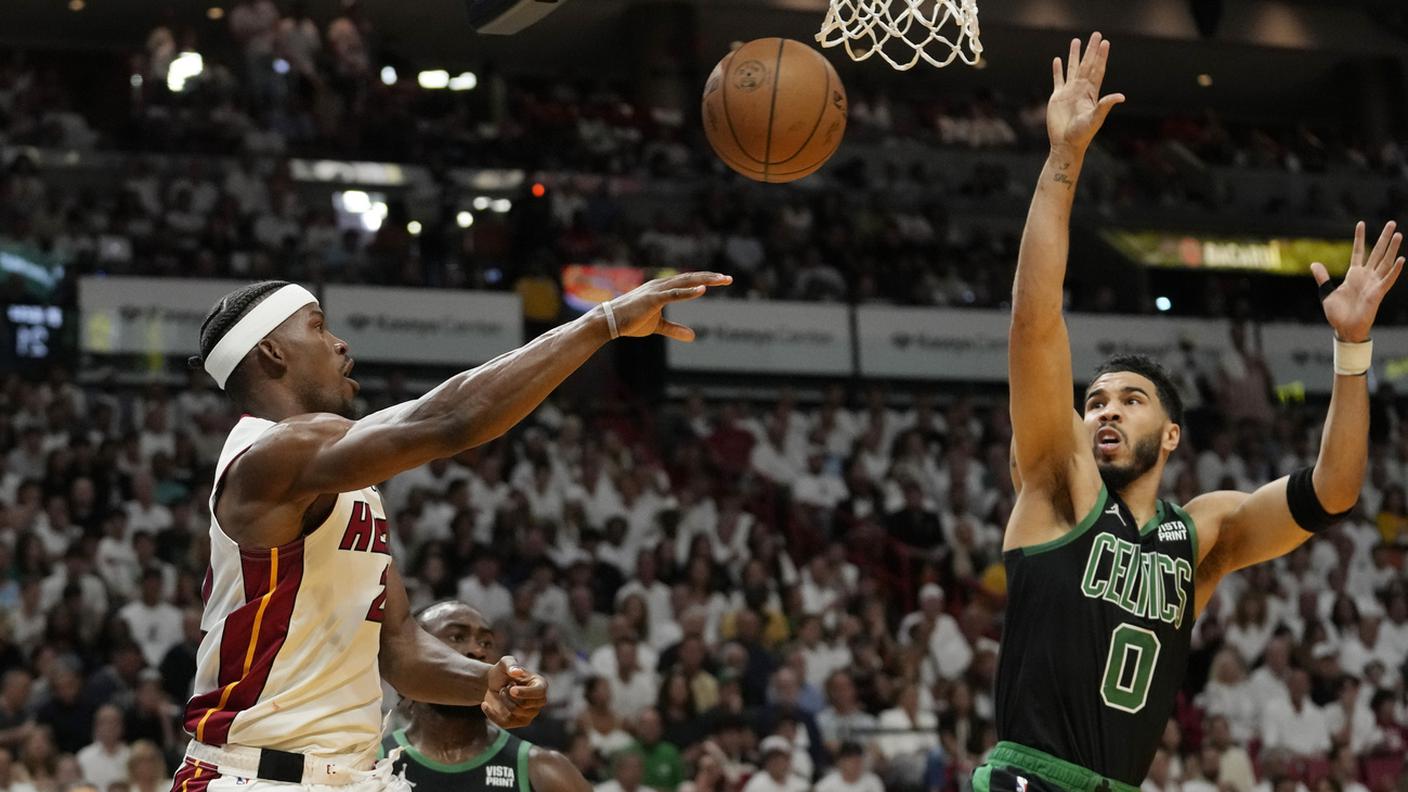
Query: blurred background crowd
column 923, row 205
column 695, row 578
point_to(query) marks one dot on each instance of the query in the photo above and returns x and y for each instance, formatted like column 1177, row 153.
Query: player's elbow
column 398, row 653
column 406, row 676
column 389, row 660
column 1336, row 496
column 1337, row 502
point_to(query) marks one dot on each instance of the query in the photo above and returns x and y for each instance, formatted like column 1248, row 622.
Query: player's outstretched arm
column 551, row 770
column 1039, row 353
column 423, row 668
column 1238, row 529
column 308, row 456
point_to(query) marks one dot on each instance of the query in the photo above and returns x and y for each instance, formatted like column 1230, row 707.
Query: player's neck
column 273, row 404
column 451, row 739
column 1141, row 496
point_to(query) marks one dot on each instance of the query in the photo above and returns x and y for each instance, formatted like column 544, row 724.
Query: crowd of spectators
column 277, row 83
column 248, row 219
column 724, row 595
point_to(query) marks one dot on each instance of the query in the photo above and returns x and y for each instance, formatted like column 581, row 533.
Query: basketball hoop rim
column 865, row 28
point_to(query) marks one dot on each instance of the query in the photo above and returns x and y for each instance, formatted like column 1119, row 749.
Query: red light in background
column 539, row 190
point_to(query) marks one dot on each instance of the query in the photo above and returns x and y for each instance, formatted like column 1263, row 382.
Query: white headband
column 252, row 327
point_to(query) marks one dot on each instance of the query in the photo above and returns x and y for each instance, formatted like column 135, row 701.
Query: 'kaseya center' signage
column 162, row 316
column 764, row 337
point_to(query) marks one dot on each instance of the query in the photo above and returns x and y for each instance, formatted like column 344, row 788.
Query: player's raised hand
column 514, row 695
column 1352, row 306
column 1076, row 109
column 640, row 312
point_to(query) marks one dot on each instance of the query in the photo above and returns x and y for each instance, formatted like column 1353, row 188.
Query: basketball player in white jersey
column 305, row 611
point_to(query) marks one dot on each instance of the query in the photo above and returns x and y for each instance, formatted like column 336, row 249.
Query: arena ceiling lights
column 438, row 79
column 184, row 68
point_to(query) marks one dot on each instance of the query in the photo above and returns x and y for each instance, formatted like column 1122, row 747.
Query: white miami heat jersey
column 289, row 657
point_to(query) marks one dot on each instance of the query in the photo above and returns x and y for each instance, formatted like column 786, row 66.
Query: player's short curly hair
column 1149, row 368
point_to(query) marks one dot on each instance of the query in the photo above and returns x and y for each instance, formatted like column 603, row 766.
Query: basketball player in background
column 455, row 749
column 1104, row 579
column 305, row 610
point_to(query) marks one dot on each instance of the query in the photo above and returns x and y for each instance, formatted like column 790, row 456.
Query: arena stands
column 705, row 575
column 922, row 206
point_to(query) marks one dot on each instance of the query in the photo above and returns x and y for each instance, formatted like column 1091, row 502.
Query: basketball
column 774, row 110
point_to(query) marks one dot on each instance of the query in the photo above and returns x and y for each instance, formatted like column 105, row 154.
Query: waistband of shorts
column 1071, row 776
column 327, row 770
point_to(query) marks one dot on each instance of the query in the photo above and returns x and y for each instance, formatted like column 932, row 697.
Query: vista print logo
column 499, row 776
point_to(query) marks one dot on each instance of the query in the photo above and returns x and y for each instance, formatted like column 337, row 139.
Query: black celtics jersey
column 1096, row 638
column 502, row 767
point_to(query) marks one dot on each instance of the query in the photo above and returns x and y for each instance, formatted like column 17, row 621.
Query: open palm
column 1076, row 110
column 640, row 312
column 1352, row 306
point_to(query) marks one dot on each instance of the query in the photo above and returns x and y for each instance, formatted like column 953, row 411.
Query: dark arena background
column 790, row 528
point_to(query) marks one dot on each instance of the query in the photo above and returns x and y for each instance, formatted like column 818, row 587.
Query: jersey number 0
column 1134, row 651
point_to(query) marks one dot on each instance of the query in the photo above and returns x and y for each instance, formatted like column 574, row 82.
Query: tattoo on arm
column 1060, row 176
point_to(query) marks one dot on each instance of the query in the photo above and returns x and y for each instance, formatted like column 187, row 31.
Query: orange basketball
column 774, row 110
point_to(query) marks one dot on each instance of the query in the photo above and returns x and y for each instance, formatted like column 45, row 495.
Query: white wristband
column 610, row 319
column 1353, row 359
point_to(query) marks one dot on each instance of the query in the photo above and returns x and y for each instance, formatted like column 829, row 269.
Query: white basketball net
column 903, row 32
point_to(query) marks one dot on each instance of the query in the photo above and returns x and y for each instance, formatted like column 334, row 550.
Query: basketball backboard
column 506, row 17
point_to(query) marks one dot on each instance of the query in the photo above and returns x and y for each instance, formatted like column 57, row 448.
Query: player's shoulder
column 299, row 431
column 284, row 447
column 1210, row 508
column 552, row 770
column 1209, row 512
column 540, row 756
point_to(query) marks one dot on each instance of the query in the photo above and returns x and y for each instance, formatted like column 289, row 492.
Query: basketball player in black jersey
column 1104, row 579
column 455, row 749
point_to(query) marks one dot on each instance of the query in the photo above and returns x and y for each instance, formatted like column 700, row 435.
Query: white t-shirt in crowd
column 492, row 600
column 868, row 782
column 117, row 564
column 155, row 628
column 103, row 768
column 949, row 648
column 1363, row 731
column 1303, row 731
column 900, row 736
column 762, row 782
column 819, row 489
column 629, row 697
column 1267, row 687
column 154, row 518
column 1238, row 703
column 824, row 659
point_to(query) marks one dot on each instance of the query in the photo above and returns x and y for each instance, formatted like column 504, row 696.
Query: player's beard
column 347, row 409
column 316, row 398
column 1117, row 475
